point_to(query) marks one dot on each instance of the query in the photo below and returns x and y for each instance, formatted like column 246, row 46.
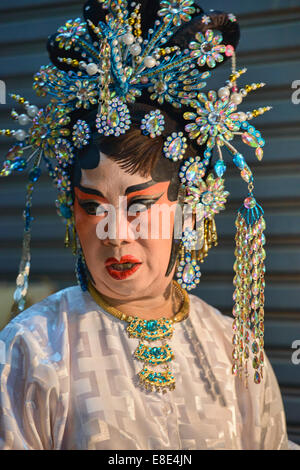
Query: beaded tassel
column 81, row 270
column 248, row 310
column 188, row 272
column 210, row 238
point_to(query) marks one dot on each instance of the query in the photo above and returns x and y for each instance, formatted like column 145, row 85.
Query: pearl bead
column 236, row 98
column 128, row 39
column 135, row 49
column 243, row 92
column 223, row 92
column 243, row 116
column 149, row 62
column 32, row 110
column 23, row 119
column 92, row 69
column 20, row 135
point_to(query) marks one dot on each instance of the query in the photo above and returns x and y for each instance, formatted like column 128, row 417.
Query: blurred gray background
column 270, row 49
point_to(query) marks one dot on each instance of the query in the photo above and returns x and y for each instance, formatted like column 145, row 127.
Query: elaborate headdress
column 155, row 55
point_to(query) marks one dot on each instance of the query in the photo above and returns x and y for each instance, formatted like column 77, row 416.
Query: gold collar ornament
column 151, row 331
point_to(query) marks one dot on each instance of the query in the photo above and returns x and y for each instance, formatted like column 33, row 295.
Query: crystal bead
column 188, row 273
column 256, row 377
column 249, row 139
column 255, row 363
column 220, row 168
column 255, row 347
column 113, row 119
column 34, row 174
column 175, row 147
column 249, row 202
column 192, row 172
column 246, row 174
column 152, row 125
column 259, row 153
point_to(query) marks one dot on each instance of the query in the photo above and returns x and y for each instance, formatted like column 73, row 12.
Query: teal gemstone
column 65, row 211
column 151, row 325
column 239, row 161
column 220, row 168
column 19, row 164
column 155, row 351
column 34, row 176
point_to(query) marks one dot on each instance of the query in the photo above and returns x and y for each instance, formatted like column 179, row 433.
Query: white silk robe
column 69, row 381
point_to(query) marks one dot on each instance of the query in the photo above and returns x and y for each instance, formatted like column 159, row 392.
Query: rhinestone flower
column 81, row 134
column 84, row 92
column 69, row 34
column 64, row 152
column 176, row 10
column 153, row 123
column 47, row 127
column 117, row 119
column 208, row 48
column 210, row 193
column 160, row 88
column 177, row 90
column 189, row 238
column 206, row 19
column 214, row 121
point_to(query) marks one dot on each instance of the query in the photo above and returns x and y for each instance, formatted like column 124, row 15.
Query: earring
column 70, row 234
column 188, row 271
column 210, row 238
column 81, row 269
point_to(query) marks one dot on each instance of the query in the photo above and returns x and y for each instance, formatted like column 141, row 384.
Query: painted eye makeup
column 136, row 205
column 140, row 205
column 92, row 207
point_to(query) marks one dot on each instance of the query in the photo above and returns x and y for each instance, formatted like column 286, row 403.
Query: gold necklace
column 148, row 331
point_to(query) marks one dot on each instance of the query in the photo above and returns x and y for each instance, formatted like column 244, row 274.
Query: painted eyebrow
column 130, row 189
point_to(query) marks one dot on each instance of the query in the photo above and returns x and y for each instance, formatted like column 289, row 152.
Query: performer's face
column 109, row 225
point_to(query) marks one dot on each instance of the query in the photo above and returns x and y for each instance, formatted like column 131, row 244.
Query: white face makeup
column 145, row 260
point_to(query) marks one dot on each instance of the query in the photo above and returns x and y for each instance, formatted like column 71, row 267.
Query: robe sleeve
column 31, row 406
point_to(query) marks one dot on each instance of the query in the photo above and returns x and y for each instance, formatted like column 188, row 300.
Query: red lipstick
column 119, row 272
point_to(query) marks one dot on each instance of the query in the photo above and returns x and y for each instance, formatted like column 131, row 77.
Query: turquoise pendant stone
column 220, row 168
column 151, row 325
column 239, row 161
